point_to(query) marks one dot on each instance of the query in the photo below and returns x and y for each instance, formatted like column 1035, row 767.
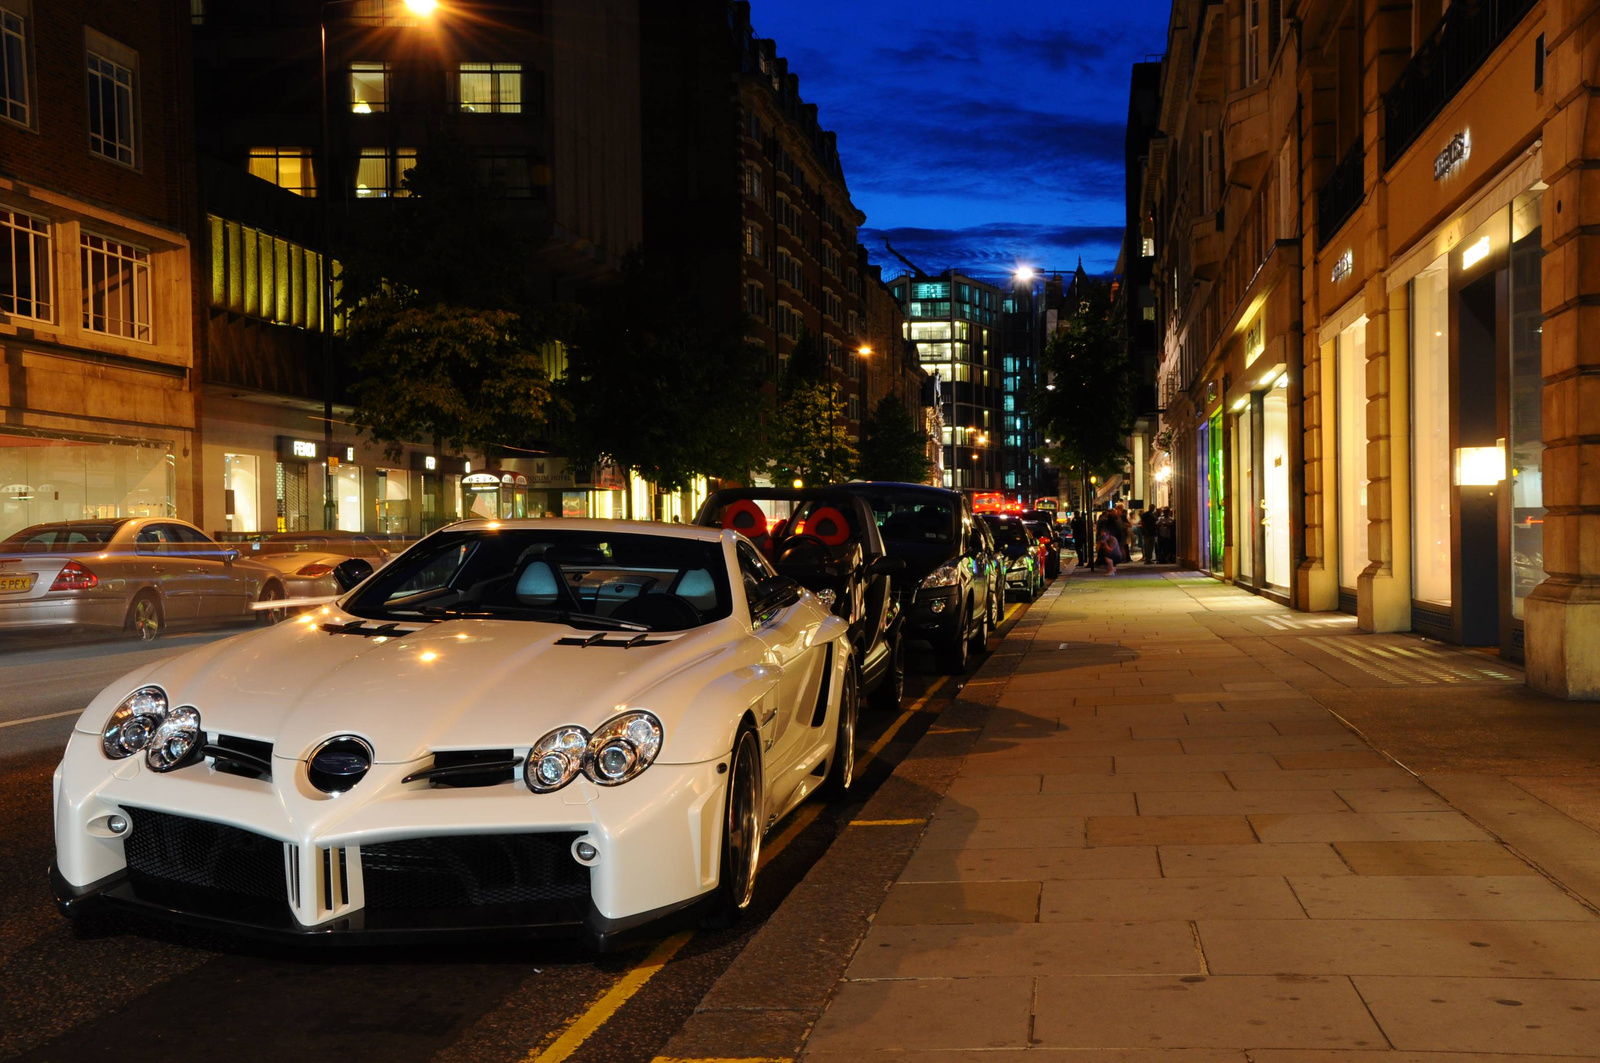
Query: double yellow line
column 586, row 1024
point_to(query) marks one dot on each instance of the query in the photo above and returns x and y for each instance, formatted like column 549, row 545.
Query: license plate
column 13, row 584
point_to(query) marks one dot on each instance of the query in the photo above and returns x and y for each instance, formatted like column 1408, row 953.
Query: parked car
column 136, row 575
column 828, row 542
column 945, row 592
column 1049, row 544
column 1024, row 563
column 522, row 726
column 306, row 560
column 997, row 573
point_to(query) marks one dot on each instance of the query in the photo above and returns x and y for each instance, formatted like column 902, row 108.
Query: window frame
column 92, row 79
column 498, row 72
column 35, row 236
column 308, row 168
column 369, row 66
column 394, row 175
column 24, row 56
column 141, row 283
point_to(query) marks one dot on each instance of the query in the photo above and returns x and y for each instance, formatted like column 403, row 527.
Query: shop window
column 1432, row 541
column 491, row 88
column 241, row 492
column 13, row 66
column 111, row 109
column 1351, row 384
column 1527, row 396
column 347, row 497
column 369, row 87
column 394, row 496
column 293, row 495
column 288, row 168
column 1244, row 497
column 54, row 479
column 116, row 288
column 25, row 283
column 1275, row 483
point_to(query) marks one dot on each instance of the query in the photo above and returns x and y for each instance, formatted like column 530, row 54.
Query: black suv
column 827, row 541
column 946, row 587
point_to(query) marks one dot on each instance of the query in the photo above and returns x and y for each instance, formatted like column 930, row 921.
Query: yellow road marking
column 951, row 730
column 802, row 819
column 585, row 1025
column 885, row 822
column 894, row 728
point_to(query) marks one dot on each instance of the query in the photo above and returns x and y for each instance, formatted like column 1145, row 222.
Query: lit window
column 110, row 109
column 491, row 88
column 13, row 68
column 116, row 288
column 24, row 266
column 383, row 13
column 369, row 87
column 1148, row 247
column 381, row 173
column 288, row 168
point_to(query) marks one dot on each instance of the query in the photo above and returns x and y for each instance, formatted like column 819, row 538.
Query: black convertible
column 828, row 541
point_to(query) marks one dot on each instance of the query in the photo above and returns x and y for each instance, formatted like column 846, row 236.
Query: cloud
column 1060, row 50
column 995, row 250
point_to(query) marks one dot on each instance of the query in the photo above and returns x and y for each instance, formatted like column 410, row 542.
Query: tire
column 951, row 650
column 741, row 833
column 891, row 689
column 146, row 620
column 997, row 605
column 842, row 766
column 272, row 592
column 979, row 643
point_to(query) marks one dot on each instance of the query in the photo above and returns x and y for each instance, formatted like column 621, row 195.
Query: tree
column 1090, row 408
column 806, row 440
column 650, row 386
column 448, row 336
column 895, row 448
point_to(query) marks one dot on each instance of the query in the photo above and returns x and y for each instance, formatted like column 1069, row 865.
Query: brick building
column 96, row 405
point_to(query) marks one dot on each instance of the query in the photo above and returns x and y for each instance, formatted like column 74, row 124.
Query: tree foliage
column 894, row 447
column 805, row 438
column 1088, row 413
column 650, row 386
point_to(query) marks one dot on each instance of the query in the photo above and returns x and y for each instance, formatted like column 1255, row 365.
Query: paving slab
column 1549, row 1015
column 1238, row 802
column 1322, row 779
column 1200, row 1012
column 1072, row 1055
column 1224, row 762
column 1266, row 897
column 1393, row 799
column 1076, row 948
column 1463, row 897
column 1163, row 830
column 1281, row 745
column 1367, row 826
column 1233, row 861
column 1431, row 858
column 1037, row 806
column 953, row 833
column 1135, row 782
column 994, row 865
column 1314, row 1056
column 926, row 903
column 1334, row 759
column 921, row 1014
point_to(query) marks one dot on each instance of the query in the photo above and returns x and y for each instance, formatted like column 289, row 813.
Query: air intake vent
column 176, row 850
column 473, row 869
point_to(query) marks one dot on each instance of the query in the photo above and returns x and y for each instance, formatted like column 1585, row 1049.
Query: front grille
column 167, row 849
column 473, row 869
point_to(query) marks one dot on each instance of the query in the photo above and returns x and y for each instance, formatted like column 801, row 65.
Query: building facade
column 97, row 411
column 543, row 98
column 1424, row 166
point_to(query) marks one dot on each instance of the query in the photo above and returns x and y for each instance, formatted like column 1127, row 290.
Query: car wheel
column 842, row 768
column 741, row 833
column 892, row 687
column 952, row 648
column 272, row 592
column 980, row 638
column 997, row 605
column 145, row 620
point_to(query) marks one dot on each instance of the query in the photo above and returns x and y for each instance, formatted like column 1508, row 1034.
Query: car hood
column 460, row 684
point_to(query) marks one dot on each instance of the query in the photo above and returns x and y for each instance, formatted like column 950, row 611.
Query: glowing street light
column 864, row 351
column 422, row 7
column 1024, row 274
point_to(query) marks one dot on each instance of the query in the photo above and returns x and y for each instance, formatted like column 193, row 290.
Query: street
column 76, row 994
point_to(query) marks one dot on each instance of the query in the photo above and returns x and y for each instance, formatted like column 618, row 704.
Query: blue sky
column 975, row 136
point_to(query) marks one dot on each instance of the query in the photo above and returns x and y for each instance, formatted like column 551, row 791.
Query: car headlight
column 946, row 575
column 131, row 724
column 624, row 747
column 174, row 739
column 555, row 759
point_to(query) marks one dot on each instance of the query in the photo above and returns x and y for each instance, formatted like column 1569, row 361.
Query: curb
column 765, row 1004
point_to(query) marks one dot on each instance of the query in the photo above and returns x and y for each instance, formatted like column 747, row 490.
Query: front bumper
column 348, row 868
column 933, row 614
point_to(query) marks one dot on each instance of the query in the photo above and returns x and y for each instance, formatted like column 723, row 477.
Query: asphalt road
column 134, row 991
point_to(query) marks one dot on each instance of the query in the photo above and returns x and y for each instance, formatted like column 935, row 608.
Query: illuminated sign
column 430, row 462
column 1481, row 466
column 1476, row 253
column 302, row 448
column 1454, row 154
column 1344, row 265
column 1255, row 340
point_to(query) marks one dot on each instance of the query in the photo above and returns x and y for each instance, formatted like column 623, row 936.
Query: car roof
column 630, row 527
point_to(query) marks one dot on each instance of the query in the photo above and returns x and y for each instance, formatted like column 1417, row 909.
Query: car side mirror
column 886, row 566
column 351, row 571
column 230, row 556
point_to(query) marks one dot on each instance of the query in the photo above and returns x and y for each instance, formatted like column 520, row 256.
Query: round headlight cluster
column 144, row 722
column 622, row 748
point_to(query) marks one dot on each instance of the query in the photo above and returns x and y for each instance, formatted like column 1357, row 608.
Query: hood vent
column 624, row 640
column 468, row 767
column 359, row 627
column 232, row 755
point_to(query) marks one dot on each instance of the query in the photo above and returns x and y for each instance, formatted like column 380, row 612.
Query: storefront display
column 241, row 492
column 1527, row 391
column 1351, row 382
column 1275, row 484
column 1430, row 434
column 1244, row 494
column 44, row 478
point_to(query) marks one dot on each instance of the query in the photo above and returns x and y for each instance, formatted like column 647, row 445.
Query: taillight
column 316, row 568
column 75, row 577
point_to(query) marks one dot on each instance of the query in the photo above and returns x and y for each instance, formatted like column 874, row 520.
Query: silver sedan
column 136, row 575
column 306, row 561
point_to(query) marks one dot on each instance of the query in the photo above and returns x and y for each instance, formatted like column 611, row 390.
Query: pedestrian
column 1167, row 536
column 1122, row 529
column 1080, row 537
column 1108, row 542
column 1147, row 534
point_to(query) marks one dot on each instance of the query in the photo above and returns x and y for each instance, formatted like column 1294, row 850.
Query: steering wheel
column 803, row 539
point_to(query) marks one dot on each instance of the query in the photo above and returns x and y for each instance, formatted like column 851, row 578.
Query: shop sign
column 292, row 449
column 429, row 463
column 480, row 478
column 548, row 472
column 1344, row 265
column 1255, row 339
column 1454, row 154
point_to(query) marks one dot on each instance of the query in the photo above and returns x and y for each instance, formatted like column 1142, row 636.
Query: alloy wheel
column 842, row 772
column 744, row 823
column 144, row 619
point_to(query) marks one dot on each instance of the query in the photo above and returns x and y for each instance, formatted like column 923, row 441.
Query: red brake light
column 75, row 577
column 316, row 568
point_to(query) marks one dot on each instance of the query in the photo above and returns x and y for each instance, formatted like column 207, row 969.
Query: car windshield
column 594, row 578
column 60, row 538
column 1009, row 534
column 920, row 517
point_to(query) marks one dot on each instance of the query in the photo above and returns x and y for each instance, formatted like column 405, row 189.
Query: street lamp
column 330, row 508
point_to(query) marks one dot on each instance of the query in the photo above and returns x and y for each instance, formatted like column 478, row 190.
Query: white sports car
column 540, row 726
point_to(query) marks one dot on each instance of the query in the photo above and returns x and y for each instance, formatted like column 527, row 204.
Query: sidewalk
column 1166, row 839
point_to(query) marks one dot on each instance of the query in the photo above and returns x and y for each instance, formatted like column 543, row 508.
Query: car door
column 976, row 562
column 786, row 721
column 224, row 589
column 162, row 558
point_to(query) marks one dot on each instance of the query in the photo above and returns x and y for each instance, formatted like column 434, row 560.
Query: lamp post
column 330, row 507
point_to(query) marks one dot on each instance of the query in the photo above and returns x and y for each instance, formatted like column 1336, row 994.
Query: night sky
column 975, row 136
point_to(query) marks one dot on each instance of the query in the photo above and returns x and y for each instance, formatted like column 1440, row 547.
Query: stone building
column 1378, row 212
column 97, row 412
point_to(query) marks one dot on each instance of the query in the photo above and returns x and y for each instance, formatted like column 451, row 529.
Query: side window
column 753, row 568
column 159, row 539
column 197, row 544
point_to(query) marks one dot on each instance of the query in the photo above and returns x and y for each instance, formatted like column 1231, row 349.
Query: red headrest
column 745, row 516
column 829, row 525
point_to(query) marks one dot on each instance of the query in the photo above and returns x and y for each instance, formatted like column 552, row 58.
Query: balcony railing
column 1467, row 35
column 1341, row 195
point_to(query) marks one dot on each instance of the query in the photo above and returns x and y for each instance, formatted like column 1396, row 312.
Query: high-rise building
column 97, row 412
